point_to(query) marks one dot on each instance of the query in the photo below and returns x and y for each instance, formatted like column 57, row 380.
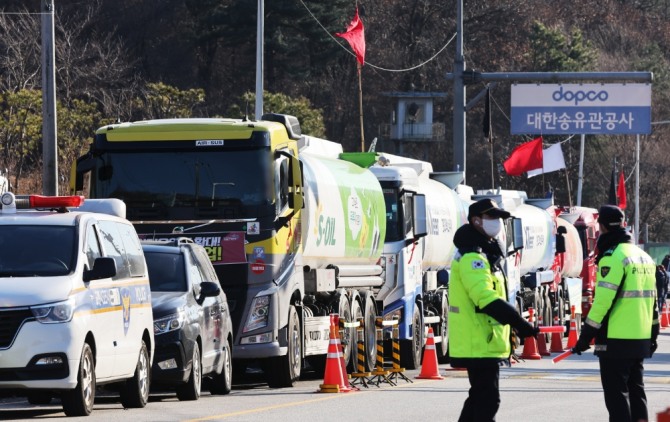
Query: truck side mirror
column 560, row 239
column 419, row 215
column 295, row 199
column 517, row 234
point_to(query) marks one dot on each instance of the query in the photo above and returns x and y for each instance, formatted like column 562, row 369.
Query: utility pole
column 260, row 33
column 49, row 140
column 459, row 95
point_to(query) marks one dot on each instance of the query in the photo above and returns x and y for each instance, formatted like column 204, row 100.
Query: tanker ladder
column 361, row 376
column 381, row 374
column 396, row 370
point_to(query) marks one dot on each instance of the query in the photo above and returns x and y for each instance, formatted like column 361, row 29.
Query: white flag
column 552, row 160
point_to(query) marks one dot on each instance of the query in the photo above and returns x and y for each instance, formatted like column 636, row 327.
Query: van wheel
column 191, row 390
column 79, row 401
column 222, row 383
column 135, row 391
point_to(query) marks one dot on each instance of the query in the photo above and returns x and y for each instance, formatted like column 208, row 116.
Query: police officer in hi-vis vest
column 479, row 314
column 623, row 318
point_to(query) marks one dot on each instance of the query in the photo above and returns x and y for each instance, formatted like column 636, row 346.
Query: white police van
column 75, row 307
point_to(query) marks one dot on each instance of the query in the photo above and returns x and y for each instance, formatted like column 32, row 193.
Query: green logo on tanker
column 326, row 231
column 363, row 214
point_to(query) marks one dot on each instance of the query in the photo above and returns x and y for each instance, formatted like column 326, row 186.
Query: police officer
column 479, row 314
column 623, row 318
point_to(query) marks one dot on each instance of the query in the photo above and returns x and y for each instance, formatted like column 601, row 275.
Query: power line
column 368, row 63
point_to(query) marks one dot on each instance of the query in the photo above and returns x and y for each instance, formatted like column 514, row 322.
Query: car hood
column 28, row 291
column 165, row 303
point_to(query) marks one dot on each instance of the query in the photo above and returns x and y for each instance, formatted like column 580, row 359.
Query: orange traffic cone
column 429, row 364
column 333, row 380
column 664, row 317
column 556, row 340
column 529, row 343
column 343, row 365
column 572, row 336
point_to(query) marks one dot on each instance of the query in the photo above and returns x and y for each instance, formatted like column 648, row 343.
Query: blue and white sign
column 604, row 109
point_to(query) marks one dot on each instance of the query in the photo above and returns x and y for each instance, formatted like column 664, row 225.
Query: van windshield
column 37, row 251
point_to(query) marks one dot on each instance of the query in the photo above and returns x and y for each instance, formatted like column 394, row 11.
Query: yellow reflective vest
column 624, row 302
column 474, row 334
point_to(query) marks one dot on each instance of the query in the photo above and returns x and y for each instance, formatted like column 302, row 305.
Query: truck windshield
column 36, row 251
column 231, row 184
column 394, row 215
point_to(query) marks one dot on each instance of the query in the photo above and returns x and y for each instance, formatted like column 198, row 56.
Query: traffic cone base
column 542, row 345
column 530, row 349
column 429, row 365
column 556, row 339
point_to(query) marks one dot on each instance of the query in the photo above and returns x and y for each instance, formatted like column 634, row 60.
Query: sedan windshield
column 37, row 251
column 166, row 271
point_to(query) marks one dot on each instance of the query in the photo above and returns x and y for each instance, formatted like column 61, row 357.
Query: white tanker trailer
column 545, row 274
column 416, row 272
column 344, row 226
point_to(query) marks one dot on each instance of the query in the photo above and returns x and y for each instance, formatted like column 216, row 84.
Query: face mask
column 492, row 227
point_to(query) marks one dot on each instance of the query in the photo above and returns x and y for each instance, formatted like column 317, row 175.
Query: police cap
column 610, row 216
column 486, row 206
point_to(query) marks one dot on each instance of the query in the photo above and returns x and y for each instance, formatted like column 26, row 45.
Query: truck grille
column 10, row 322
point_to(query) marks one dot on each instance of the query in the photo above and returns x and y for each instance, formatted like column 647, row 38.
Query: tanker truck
column 547, row 273
column 584, row 219
column 294, row 232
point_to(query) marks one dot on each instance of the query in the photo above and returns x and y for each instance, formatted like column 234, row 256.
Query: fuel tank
column 343, row 220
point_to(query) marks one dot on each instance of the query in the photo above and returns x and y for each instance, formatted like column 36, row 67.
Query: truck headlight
column 259, row 314
column 169, row 323
column 54, row 313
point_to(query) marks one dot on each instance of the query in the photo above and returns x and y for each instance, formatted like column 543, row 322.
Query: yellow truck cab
column 75, row 309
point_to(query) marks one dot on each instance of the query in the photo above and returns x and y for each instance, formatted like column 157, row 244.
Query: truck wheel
column 356, row 314
column 222, row 383
column 191, row 390
column 346, row 334
column 283, row 371
column 443, row 348
column 370, row 333
column 135, row 391
column 79, row 401
column 410, row 350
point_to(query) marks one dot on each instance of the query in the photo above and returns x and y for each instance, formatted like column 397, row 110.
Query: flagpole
column 567, row 184
column 360, row 105
column 580, row 176
column 637, row 191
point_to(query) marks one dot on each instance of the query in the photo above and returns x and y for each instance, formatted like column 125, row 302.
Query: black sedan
column 192, row 326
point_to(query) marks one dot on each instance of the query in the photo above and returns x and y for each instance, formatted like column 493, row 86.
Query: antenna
column 373, row 145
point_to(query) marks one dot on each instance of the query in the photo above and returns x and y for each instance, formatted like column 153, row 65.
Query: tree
column 552, row 51
column 160, row 101
column 311, row 119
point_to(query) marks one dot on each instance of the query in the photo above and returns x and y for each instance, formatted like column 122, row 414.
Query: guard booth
column 411, row 119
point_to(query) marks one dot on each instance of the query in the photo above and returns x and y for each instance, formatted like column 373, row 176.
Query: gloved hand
column 582, row 345
column 526, row 330
column 654, row 346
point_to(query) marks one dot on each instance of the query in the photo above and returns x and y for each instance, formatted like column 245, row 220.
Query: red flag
column 525, row 157
column 621, row 192
column 355, row 34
